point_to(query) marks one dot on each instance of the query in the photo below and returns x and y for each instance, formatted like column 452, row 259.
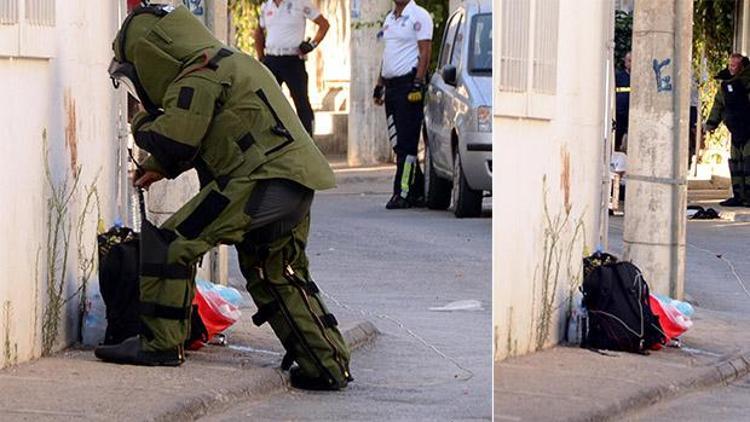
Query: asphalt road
column 390, row 267
column 712, row 285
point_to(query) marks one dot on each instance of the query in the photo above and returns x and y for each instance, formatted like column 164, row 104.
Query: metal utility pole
column 656, row 181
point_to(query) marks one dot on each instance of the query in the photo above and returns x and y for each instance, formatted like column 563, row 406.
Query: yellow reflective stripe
column 621, row 89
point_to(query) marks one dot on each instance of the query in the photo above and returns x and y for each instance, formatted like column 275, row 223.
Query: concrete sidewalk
column 74, row 385
column 574, row 384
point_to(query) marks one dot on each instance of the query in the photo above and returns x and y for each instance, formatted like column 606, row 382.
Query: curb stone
column 270, row 380
column 719, row 374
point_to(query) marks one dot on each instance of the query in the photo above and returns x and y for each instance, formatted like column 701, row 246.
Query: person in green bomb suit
column 221, row 112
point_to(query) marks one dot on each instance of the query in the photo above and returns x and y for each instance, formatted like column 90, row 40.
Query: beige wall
column 557, row 162
column 69, row 96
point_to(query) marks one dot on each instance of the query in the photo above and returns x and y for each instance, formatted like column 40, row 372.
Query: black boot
column 131, row 352
column 731, row 202
column 397, row 202
column 304, row 382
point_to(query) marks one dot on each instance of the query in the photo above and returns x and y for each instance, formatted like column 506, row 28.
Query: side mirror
column 449, row 74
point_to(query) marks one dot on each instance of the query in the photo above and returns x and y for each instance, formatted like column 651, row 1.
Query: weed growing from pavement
column 59, row 231
column 558, row 255
column 10, row 349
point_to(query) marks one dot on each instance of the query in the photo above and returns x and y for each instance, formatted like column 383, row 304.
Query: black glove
column 307, row 46
column 416, row 94
column 378, row 92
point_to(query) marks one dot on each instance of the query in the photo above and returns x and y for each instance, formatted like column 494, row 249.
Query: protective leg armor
column 287, row 298
column 272, row 259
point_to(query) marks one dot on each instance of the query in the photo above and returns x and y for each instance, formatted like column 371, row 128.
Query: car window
column 480, row 44
column 450, row 35
column 458, row 45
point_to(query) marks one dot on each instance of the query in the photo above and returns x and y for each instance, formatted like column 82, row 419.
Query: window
column 458, row 46
column 448, row 38
column 527, row 58
column 480, row 44
column 27, row 28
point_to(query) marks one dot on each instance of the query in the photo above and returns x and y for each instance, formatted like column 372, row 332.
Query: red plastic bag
column 673, row 322
column 216, row 313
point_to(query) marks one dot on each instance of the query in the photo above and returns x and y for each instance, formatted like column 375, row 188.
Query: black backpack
column 619, row 315
column 119, row 282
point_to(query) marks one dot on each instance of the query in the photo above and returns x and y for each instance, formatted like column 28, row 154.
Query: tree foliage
column 245, row 19
column 245, row 15
column 623, row 35
column 713, row 39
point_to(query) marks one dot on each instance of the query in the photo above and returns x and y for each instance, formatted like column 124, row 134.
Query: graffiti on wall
column 663, row 82
column 196, row 7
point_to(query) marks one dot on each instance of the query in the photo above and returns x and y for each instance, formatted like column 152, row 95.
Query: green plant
column 623, row 35
column 245, row 14
column 562, row 235
column 713, row 30
column 59, row 230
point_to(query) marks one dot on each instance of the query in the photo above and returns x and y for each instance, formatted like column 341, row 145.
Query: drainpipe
column 609, row 71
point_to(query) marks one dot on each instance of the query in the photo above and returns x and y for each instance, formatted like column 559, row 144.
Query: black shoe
column 130, row 352
column 731, row 202
column 417, row 202
column 304, row 382
column 397, row 202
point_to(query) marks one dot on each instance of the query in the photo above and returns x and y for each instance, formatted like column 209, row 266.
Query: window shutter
column 9, row 27
column 38, row 29
column 514, row 45
column 545, row 46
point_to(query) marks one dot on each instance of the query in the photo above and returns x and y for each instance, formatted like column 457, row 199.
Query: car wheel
column 466, row 202
column 437, row 190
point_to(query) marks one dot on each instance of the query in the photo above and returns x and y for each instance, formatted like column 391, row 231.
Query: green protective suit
column 221, row 112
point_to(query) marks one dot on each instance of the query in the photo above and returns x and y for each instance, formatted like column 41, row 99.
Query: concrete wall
column 546, row 184
column 742, row 37
column 368, row 142
column 69, row 96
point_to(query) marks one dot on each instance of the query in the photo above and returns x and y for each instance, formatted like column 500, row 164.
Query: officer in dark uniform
column 622, row 102
column 407, row 34
column 280, row 45
column 732, row 106
column 221, row 112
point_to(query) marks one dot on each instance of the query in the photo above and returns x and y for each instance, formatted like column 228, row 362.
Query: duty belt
column 291, row 51
column 399, row 80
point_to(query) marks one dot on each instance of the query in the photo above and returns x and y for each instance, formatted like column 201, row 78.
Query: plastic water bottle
column 95, row 320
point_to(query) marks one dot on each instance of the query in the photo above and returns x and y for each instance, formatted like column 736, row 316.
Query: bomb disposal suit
column 221, row 112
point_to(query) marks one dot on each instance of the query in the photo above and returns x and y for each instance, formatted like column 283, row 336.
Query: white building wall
column 557, row 161
column 70, row 97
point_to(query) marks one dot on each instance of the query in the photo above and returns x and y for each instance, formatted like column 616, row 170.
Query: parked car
column 458, row 114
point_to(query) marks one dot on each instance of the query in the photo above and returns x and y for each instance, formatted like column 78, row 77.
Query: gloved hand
column 307, row 46
column 378, row 93
column 416, row 94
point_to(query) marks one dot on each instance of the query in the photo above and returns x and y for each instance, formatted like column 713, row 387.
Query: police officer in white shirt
column 407, row 34
column 280, row 44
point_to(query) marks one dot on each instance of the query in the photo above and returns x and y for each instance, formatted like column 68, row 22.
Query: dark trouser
column 739, row 169
column 269, row 222
column 621, row 129
column 291, row 71
column 404, row 126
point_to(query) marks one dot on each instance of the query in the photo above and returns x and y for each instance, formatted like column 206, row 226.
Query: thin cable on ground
column 729, row 263
column 403, row 327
